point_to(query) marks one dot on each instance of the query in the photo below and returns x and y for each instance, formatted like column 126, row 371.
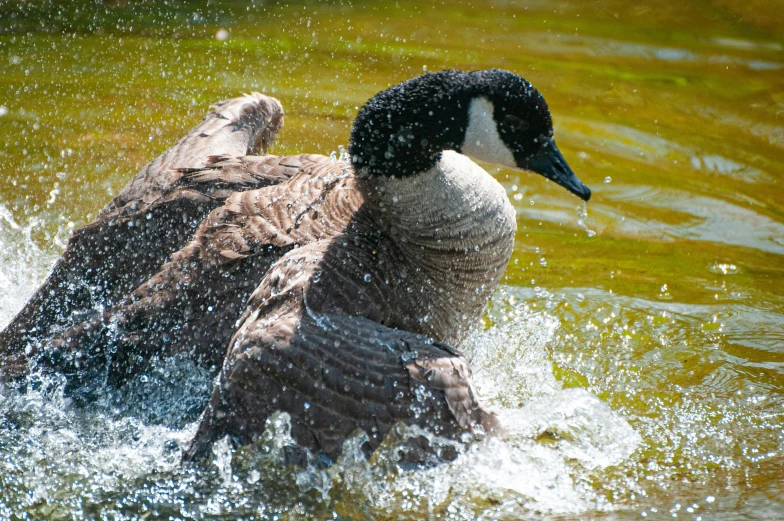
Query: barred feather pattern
column 192, row 304
column 330, row 296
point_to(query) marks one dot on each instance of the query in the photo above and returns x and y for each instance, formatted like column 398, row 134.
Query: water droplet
column 722, row 268
column 254, row 476
column 421, row 393
column 367, row 277
column 344, row 157
column 582, row 216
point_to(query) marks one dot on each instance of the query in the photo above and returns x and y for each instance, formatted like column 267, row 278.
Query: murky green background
column 672, row 111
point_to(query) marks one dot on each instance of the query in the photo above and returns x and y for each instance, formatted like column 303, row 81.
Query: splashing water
column 582, row 217
column 564, row 451
column 340, row 156
column 121, row 454
column 343, row 157
column 23, row 263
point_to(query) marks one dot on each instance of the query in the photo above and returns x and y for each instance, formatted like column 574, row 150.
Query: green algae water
column 635, row 348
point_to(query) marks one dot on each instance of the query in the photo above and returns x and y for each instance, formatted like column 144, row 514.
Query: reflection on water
column 644, row 147
column 601, row 47
column 640, row 370
column 709, row 219
column 683, row 216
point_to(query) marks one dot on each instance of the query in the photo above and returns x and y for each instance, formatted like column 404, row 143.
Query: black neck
column 403, row 130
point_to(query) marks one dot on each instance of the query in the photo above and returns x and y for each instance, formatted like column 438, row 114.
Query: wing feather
column 334, row 374
column 106, row 259
column 193, row 303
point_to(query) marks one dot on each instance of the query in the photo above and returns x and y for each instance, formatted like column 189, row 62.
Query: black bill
column 550, row 163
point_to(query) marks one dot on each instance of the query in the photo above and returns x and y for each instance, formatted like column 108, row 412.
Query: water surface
column 637, row 352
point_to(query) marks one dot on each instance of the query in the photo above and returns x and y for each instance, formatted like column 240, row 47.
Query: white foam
column 23, row 264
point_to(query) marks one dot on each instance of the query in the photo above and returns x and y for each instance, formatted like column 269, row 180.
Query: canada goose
column 361, row 275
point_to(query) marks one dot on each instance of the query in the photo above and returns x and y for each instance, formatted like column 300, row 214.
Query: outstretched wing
column 334, row 374
column 192, row 304
column 236, row 127
column 154, row 216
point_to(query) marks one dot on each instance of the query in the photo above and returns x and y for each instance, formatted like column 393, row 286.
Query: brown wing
column 334, row 374
column 235, row 127
column 193, row 303
column 224, row 175
column 451, row 375
column 154, row 216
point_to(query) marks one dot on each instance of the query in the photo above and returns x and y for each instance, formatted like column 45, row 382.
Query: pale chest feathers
column 454, row 206
column 455, row 228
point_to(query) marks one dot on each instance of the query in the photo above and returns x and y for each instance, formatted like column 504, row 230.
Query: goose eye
column 514, row 124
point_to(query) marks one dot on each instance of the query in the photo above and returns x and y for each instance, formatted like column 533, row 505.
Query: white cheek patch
column 482, row 141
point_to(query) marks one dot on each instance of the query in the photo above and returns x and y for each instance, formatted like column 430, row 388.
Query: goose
column 334, row 291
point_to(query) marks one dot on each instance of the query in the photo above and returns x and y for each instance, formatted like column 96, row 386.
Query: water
column 640, row 370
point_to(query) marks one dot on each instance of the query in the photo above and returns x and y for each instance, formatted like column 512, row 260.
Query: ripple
column 708, row 219
column 605, row 47
column 644, row 147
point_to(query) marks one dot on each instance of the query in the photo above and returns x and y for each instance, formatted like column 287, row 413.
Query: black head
column 491, row 115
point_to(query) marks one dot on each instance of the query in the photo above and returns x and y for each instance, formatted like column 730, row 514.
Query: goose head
column 489, row 115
